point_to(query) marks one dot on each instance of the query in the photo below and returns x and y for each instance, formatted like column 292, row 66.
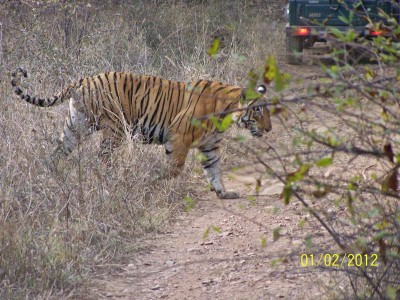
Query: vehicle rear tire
column 294, row 49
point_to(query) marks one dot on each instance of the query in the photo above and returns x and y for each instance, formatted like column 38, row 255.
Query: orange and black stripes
column 146, row 101
column 160, row 110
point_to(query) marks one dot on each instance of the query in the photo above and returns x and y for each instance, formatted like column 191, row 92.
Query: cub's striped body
column 161, row 110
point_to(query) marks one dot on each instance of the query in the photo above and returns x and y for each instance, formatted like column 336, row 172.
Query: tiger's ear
column 261, row 89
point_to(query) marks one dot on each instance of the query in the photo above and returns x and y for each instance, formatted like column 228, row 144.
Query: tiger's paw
column 228, row 195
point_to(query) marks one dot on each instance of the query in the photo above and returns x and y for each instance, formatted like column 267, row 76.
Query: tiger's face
column 257, row 117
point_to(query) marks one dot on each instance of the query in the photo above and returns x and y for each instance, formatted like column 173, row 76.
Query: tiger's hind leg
column 75, row 129
column 176, row 156
column 210, row 164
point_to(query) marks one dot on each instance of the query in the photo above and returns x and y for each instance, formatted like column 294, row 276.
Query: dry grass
column 54, row 225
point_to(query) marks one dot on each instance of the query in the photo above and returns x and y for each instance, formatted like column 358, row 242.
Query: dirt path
column 240, row 262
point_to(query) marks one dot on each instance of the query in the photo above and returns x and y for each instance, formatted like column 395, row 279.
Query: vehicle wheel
column 294, row 49
column 359, row 55
column 308, row 43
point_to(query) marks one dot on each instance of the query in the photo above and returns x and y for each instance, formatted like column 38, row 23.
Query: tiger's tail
column 42, row 102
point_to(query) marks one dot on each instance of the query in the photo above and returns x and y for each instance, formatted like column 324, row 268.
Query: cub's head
column 256, row 118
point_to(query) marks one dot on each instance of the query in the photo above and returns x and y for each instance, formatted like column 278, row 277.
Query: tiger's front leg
column 210, row 164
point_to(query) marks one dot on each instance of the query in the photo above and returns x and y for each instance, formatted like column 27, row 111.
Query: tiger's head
column 256, row 117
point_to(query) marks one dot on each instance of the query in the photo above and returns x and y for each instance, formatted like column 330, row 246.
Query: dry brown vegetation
column 54, row 225
column 333, row 148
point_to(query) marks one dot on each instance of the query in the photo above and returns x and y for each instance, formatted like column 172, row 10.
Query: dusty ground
column 241, row 261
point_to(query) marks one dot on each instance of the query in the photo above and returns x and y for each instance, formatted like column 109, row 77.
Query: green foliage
column 342, row 175
column 324, row 162
column 276, row 261
column 210, row 228
column 221, row 124
column 270, row 70
column 239, row 138
column 392, row 293
column 226, row 121
column 201, row 157
column 213, row 49
column 287, row 193
column 258, row 186
column 263, row 242
column 309, row 242
column 348, row 20
column 251, row 89
column 252, row 200
column 189, row 203
column 276, row 233
column 299, row 174
column 291, row 180
column 272, row 73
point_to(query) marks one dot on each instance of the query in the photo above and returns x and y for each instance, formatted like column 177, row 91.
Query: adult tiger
column 161, row 110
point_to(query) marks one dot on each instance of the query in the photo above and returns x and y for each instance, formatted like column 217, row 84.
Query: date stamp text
column 336, row 260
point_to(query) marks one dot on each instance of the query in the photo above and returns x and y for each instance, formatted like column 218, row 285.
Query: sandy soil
column 241, row 261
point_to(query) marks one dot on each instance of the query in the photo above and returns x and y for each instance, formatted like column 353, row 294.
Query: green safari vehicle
column 308, row 21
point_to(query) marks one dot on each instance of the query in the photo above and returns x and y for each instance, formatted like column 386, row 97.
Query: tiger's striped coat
column 161, row 110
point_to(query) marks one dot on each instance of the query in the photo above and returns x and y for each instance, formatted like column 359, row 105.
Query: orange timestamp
column 336, row 260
